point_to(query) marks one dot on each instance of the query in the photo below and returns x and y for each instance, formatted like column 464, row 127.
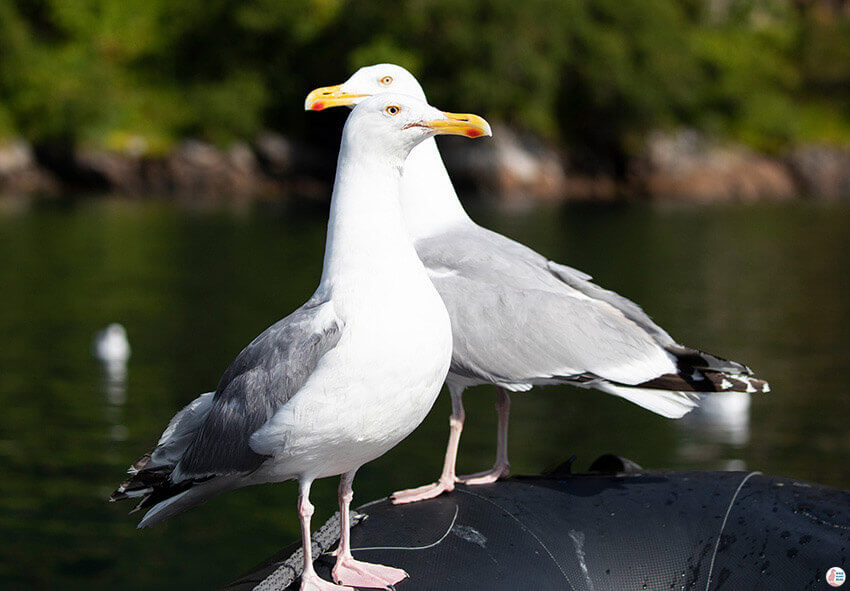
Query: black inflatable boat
column 616, row 528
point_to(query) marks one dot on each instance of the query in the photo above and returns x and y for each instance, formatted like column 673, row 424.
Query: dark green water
column 765, row 285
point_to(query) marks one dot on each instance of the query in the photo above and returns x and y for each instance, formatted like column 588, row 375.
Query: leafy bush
column 592, row 74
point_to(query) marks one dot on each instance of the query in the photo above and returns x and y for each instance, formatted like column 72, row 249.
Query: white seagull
column 342, row 379
column 519, row 319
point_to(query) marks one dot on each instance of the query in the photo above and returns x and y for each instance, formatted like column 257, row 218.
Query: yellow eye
column 386, row 80
column 392, row 110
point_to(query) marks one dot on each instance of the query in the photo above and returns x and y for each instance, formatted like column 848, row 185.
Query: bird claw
column 313, row 582
column 421, row 493
column 487, row 477
column 364, row 574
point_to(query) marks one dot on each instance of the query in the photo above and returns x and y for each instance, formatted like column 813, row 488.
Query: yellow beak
column 459, row 124
column 330, row 96
column 452, row 124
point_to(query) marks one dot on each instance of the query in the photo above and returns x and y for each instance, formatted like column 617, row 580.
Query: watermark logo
column 836, row 576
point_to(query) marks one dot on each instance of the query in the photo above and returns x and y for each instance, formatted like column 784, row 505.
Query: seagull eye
column 392, row 110
column 386, row 80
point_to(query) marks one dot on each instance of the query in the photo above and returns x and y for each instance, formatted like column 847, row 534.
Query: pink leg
column 447, row 480
column 502, row 467
column 310, row 581
column 353, row 572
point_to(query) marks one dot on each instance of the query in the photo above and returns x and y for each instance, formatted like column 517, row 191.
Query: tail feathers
column 670, row 404
column 179, row 499
column 698, row 371
column 674, row 395
column 161, row 511
column 152, row 484
column 706, row 381
column 151, row 475
column 139, row 464
column 142, row 483
column 163, row 493
column 690, row 359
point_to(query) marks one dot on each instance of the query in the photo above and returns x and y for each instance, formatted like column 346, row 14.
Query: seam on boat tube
column 527, row 530
column 431, row 545
column 723, row 525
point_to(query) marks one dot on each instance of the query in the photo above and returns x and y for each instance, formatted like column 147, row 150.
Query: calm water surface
column 764, row 284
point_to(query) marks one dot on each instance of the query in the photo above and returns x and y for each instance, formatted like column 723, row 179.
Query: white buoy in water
column 111, row 344
column 112, row 349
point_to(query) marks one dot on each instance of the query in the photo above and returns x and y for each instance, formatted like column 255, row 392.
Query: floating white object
column 111, row 344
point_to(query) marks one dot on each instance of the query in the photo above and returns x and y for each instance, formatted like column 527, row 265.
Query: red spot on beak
column 474, row 132
column 317, row 106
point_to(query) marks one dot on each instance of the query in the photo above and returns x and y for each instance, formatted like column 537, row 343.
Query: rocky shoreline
column 520, row 168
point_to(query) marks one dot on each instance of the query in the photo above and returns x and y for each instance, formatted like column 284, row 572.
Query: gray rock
column 198, row 169
column 15, row 156
column 518, row 167
column 823, row 172
column 275, row 152
column 117, row 171
column 242, row 159
column 686, row 165
column 20, row 173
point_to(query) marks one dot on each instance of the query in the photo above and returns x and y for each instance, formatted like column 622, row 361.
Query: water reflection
column 716, row 431
column 724, row 417
column 112, row 348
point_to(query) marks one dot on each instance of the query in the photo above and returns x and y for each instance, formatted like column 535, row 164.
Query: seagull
column 519, row 319
column 345, row 377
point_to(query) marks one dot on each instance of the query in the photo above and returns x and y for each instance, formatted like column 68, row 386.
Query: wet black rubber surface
column 595, row 532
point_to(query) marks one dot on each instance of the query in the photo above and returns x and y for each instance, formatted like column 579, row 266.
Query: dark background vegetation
column 592, row 75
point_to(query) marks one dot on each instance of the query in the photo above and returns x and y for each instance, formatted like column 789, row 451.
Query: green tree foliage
column 594, row 74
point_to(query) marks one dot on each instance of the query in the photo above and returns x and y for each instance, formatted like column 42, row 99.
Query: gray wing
column 265, row 375
column 581, row 282
column 517, row 316
column 180, row 432
column 687, row 359
column 153, row 469
column 517, row 337
column 515, row 320
column 486, row 256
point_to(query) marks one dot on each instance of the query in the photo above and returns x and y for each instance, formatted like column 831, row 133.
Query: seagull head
column 365, row 82
column 396, row 123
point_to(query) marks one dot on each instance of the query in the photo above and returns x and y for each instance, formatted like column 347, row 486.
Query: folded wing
column 205, row 447
column 519, row 319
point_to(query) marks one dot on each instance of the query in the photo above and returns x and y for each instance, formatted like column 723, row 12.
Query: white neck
column 366, row 232
column 428, row 199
